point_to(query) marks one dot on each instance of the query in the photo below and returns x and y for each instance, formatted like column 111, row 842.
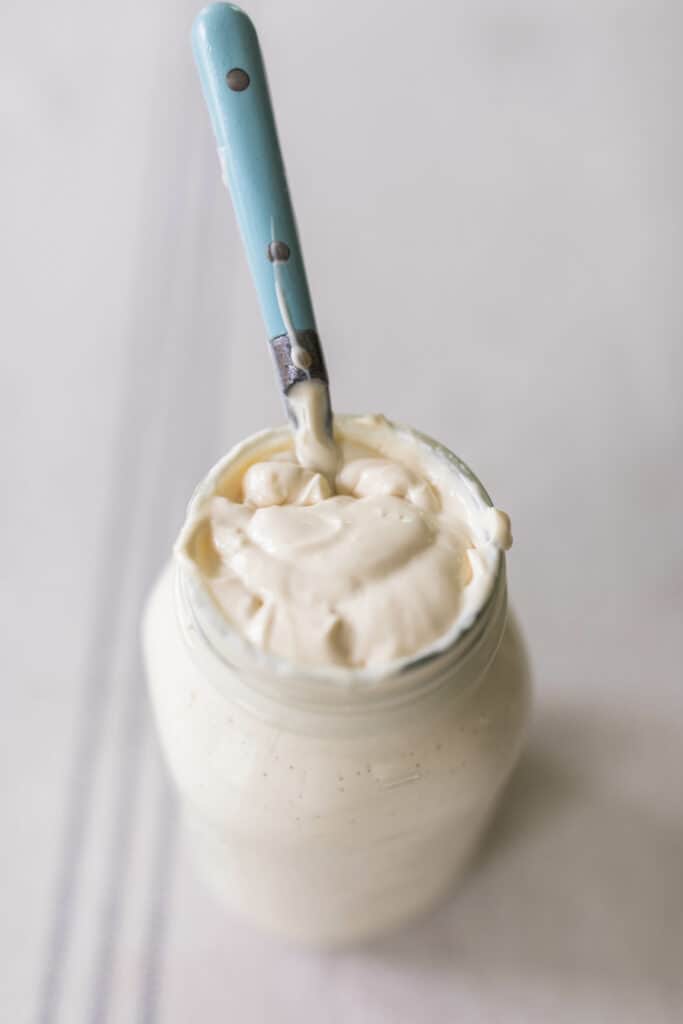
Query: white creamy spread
column 355, row 554
column 314, row 448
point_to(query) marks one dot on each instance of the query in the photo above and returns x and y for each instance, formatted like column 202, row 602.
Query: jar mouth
column 333, row 684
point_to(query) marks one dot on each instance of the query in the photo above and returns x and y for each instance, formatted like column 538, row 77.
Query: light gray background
column 489, row 199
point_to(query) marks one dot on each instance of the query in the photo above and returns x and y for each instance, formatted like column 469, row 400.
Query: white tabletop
column 489, row 200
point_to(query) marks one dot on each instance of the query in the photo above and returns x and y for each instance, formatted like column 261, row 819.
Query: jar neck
column 271, row 686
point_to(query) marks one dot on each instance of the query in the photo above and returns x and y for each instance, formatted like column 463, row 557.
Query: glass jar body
column 324, row 827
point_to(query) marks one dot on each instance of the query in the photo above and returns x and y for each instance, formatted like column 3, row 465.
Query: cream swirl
column 400, row 557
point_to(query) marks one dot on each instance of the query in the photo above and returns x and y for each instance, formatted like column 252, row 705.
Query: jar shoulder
column 216, row 749
column 496, row 715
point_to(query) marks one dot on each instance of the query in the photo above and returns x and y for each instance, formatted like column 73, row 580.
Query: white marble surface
column 489, row 198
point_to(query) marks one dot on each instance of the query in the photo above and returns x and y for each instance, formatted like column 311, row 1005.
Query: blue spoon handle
column 230, row 65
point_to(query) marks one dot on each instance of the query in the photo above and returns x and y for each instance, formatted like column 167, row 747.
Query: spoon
column 230, row 65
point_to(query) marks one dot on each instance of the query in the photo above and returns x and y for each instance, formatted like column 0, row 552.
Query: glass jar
column 330, row 810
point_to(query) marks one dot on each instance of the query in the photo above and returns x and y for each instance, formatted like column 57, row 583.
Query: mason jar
column 330, row 808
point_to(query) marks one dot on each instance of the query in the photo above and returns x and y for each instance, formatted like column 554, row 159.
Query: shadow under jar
column 329, row 811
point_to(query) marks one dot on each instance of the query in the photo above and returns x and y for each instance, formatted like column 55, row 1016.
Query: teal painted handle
column 224, row 41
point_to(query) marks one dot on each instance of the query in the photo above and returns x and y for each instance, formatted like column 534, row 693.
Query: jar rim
column 338, row 686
